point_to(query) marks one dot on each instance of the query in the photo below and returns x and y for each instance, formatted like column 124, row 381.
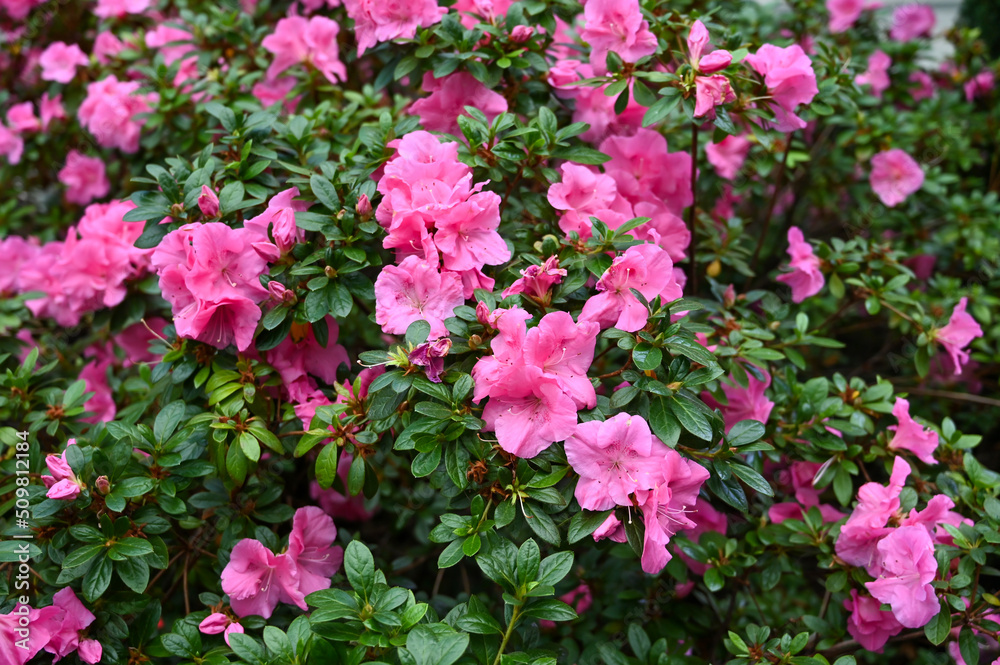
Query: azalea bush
column 357, row 331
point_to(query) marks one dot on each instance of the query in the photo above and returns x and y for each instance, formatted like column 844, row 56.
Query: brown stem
column 774, row 200
column 693, row 210
column 949, row 394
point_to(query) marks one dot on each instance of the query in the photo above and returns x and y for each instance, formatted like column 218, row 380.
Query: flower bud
column 364, row 207
column 521, row 34
column 103, row 485
column 208, row 202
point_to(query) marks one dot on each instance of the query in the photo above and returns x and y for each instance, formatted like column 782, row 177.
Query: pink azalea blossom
column 645, row 171
column 84, row 178
column 310, row 546
column 51, row 108
column 979, row 85
column 894, row 176
column 711, row 91
column 60, row 60
column 866, row 525
column 120, row 8
column 386, row 20
column 790, row 79
column 21, row 118
column 536, row 281
column 877, row 74
column 529, row 412
column 614, row 459
column 665, row 508
column 728, row 155
column 911, row 21
column 448, row 98
column 956, row 336
column 208, row 202
column 273, row 92
column 910, row 435
column 109, row 113
column 645, row 268
column 467, row 233
column 870, row 625
column 925, row 88
column 279, row 219
column 806, row 279
column 750, row 403
column 697, row 40
column 172, row 42
column 102, row 404
column 107, row 46
column 73, row 619
column 217, row 623
column 19, row 9
column 11, row 145
column 415, row 290
column 598, row 110
column 300, row 354
column 430, row 356
column 616, row 25
column 907, row 567
column 313, row 41
column 256, row 580
column 844, row 13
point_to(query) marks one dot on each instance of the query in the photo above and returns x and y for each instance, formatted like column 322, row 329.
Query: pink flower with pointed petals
column 911, row 21
column 21, row 118
column 120, row 8
column 711, row 91
column 90, row 651
column 51, row 108
column 806, row 279
column 645, row 268
column 790, row 79
column 750, row 403
column 529, row 412
column 208, row 202
column 102, row 404
column 895, row 175
column 415, row 290
column 508, row 352
column 84, row 178
column 41, row 625
column 979, row 85
column 448, row 98
column 386, row 20
column 297, row 39
column 844, row 13
column 870, row 625
column 60, row 60
column 877, row 74
column 925, row 87
column 565, row 350
column 728, row 155
column 107, row 46
column 535, row 281
column 279, row 219
column 217, row 623
column 665, row 508
column 910, row 435
column 645, row 171
column 310, row 546
column 614, row 459
column 74, row 618
column 582, row 189
column 11, row 145
column 467, row 234
column 172, row 42
column 109, row 113
column 958, row 334
column 712, row 62
column 616, row 25
column 867, row 523
column 256, row 580
column 906, row 569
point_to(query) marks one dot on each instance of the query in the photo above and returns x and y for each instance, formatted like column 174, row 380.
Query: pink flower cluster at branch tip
column 60, row 60
column 256, row 579
column 844, row 13
column 313, row 41
column 56, row 629
column 711, row 89
column 910, row 435
column 109, row 112
column 645, row 268
column 378, row 21
column 62, row 484
column 217, row 622
column 790, row 80
column 536, row 379
column 979, row 85
column 910, row 21
column 536, row 281
column 728, row 155
column 84, row 177
column 112, row 9
column 448, row 98
column 894, row 176
column 877, row 74
column 278, row 220
column 616, row 25
column 956, row 336
column 806, row 278
column 210, row 274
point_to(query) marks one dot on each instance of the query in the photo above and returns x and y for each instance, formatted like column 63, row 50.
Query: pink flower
column 665, row 508
column 310, row 546
column 911, row 21
column 844, row 13
column 448, row 98
column 582, row 190
column 430, row 356
column 877, row 74
column 385, row 20
column 715, row 61
column 529, row 411
column 74, row 617
column 337, row 505
column 119, row 8
column 21, row 118
column 906, row 569
column 102, row 404
column 580, row 599
column 867, row 523
column 51, row 108
column 806, row 279
column 958, row 334
column 11, row 145
column 279, row 218
column 911, row 436
column 645, row 172
column 535, row 281
column 208, row 202
column 728, row 155
column 172, row 42
column 29, row 627
column 256, row 580
column 869, row 624
column 272, row 92
column 300, row 354
column 416, row 290
column 790, row 79
column 924, row 85
column 895, row 175
column 109, row 113
column 84, row 178
column 217, row 623
column 614, row 459
column 314, row 41
column 750, row 403
column 18, row 9
column 90, row 651
column 616, row 25
column 979, row 85
column 59, row 62
column 645, row 268
column 467, row 233
column 210, row 275
column 711, row 91
column 106, row 47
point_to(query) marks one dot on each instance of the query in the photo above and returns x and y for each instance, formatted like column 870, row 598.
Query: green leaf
column 326, row 466
column 451, row 554
column 647, row 357
column 714, row 580
column 134, row 573
column 745, row 432
column 691, row 416
column 968, row 645
column 528, row 561
column 418, row 332
column 549, row 609
column 129, row 547
column 554, row 568
column 661, row 109
column 752, row 478
column 231, row 196
column 97, row 579
column 436, row 644
column 82, row 555
column 325, row 192
column 541, row 524
column 662, row 421
column 938, row 628
column 359, row 566
column 584, row 523
column 426, row 463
